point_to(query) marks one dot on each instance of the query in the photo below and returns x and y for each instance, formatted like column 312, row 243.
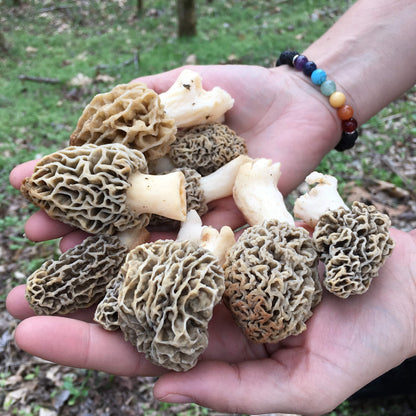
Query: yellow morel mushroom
column 352, row 243
column 103, row 189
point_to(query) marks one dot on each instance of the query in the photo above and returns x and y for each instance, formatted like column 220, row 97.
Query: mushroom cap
column 353, row 244
column 271, row 281
column 131, row 114
column 85, row 186
column 106, row 313
column 166, row 300
column 78, row 279
column 206, row 147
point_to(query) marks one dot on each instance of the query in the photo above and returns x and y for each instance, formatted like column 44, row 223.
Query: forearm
column 369, row 53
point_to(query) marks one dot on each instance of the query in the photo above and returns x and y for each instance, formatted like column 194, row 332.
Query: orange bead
column 337, row 99
column 345, row 112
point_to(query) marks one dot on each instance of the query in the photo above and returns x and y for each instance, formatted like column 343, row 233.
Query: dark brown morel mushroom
column 271, row 275
column 103, row 189
column 206, row 147
column 79, row 277
column 131, row 114
column 352, row 243
column 166, row 299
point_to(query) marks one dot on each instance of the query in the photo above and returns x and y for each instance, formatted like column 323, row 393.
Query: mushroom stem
column 323, row 197
column 132, row 237
column 189, row 104
column 220, row 183
column 158, row 194
column 190, row 228
column 216, row 242
column 256, row 193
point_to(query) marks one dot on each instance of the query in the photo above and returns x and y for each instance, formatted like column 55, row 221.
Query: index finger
column 22, row 171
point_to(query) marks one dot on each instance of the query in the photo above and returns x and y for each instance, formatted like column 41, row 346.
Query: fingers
column 40, row 227
column 16, row 303
column 79, row 344
column 21, row 172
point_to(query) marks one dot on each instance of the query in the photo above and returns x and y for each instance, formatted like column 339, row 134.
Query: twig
column 24, row 77
column 53, row 8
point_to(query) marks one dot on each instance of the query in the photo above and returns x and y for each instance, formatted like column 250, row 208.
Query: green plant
column 78, row 392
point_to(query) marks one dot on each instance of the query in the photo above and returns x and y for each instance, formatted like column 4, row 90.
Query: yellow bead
column 337, row 99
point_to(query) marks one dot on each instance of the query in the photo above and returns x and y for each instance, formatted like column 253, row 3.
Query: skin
column 348, row 342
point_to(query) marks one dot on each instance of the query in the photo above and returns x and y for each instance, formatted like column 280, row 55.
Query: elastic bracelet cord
column 328, row 88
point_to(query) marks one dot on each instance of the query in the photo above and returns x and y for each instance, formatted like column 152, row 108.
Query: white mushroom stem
column 190, row 228
column 220, row 183
column 189, row 104
column 158, row 194
column 256, row 193
column 218, row 242
column 133, row 237
column 321, row 198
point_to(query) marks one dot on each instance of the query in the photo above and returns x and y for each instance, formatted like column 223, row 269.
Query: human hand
column 277, row 111
column 347, row 344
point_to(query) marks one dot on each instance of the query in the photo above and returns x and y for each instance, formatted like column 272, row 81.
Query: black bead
column 347, row 141
column 308, row 68
column 286, row 58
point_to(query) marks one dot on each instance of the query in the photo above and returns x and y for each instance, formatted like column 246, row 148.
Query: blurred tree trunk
column 139, row 7
column 3, row 43
column 186, row 17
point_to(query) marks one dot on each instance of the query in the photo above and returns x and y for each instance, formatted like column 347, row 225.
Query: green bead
column 328, row 87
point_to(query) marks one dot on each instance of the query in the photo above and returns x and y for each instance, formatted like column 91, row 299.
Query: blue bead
column 328, row 87
column 318, row 76
column 308, row 68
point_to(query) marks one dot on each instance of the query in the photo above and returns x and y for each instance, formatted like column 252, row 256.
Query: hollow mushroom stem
column 320, row 199
column 256, row 193
column 217, row 242
column 220, row 183
column 189, row 104
column 158, row 194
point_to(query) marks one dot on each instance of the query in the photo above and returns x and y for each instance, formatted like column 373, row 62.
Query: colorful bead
column 328, row 87
column 337, row 99
column 318, row 76
column 309, row 68
column 347, row 141
column 345, row 112
column 299, row 62
column 349, row 125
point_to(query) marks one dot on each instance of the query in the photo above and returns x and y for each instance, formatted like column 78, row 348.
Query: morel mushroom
column 189, row 104
column 166, row 299
column 352, row 243
column 271, row 275
column 131, row 114
column 201, row 190
column 204, row 148
column 103, row 189
column 78, row 279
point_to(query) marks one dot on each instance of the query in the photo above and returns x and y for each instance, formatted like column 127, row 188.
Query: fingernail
column 176, row 398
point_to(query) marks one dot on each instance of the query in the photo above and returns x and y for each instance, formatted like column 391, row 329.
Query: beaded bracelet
column 328, row 88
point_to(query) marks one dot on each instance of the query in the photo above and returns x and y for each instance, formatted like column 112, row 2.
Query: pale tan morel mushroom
column 271, row 275
column 189, row 104
column 103, row 189
column 352, row 243
column 131, row 114
column 204, row 148
column 78, row 279
column 166, row 299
